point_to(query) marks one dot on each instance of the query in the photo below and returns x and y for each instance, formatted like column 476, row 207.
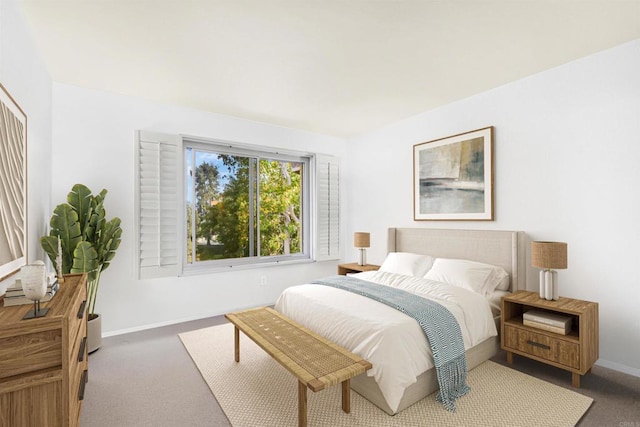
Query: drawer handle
column 82, row 309
column 81, row 351
column 83, row 382
column 537, row 344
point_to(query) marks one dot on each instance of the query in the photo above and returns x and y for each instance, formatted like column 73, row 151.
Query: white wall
column 94, row 144
column 567, row 168
column 24, row 76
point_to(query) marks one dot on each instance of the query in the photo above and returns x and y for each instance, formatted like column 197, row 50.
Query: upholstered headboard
column 496, row 247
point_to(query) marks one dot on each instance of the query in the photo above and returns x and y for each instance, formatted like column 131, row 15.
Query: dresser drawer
column 544, row 346
column 30, row 352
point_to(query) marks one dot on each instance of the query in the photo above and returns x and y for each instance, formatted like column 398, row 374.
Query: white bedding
column 393, row 342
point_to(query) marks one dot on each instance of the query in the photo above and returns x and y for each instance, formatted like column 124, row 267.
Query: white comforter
column 393, row 342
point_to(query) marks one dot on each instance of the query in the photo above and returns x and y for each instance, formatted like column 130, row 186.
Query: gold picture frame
column 13, row 192
column 453, row 177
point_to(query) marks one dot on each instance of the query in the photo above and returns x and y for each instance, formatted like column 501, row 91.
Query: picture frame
column 13, row 175
column 453, row 177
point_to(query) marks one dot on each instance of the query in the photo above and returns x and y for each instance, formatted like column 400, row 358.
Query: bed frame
column 502, row 248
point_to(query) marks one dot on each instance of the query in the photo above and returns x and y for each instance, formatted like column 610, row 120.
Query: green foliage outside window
column 226, row 207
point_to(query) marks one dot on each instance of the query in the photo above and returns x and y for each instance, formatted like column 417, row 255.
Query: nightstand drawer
column 543, row 346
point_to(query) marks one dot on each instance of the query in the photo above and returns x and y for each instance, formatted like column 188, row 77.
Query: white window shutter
column 327, row 208
column 158, row 198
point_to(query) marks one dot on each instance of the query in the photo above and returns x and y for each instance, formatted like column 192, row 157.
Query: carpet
column 259, row 392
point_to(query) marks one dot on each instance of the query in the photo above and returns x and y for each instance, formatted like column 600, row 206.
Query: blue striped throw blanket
column 439, row 325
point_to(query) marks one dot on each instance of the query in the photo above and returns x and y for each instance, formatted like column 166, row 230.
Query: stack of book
column 15, row 295
column 551, row 322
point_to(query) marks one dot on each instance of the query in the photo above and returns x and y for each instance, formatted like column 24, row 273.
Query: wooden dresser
column 43, row 361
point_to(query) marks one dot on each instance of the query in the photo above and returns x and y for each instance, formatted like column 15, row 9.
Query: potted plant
column 87, row 242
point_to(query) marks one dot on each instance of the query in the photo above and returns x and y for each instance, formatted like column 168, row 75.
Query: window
column 245, row 206
column 206, row 204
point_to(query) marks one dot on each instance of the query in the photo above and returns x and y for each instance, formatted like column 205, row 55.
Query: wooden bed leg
column 236, row 342
column 509, row 358
column 302, row 404
column 346, row 396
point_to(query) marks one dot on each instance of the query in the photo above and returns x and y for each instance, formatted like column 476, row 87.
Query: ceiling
column 337, row 67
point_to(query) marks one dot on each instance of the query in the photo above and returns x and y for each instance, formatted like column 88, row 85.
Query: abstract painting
column 453, row 177
column 13, row 185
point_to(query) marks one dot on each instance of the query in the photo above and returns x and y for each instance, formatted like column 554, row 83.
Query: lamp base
column 549, row 285
column 363, row 256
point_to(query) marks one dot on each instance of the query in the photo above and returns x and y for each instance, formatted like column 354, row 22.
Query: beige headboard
column 503, row 248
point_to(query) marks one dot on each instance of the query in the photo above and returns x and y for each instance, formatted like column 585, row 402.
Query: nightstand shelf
column 575, row 352
column 353, row 267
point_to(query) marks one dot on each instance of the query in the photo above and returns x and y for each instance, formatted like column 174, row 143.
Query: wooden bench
column 315, row 361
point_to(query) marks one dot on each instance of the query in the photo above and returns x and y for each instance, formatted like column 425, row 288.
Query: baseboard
column 618, row 367
column 174, row 321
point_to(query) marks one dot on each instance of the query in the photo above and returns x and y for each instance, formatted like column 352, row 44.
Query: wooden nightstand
column 353, row 267
column 575, row 352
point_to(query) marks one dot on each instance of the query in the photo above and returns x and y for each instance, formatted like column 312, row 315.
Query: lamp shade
column 549, row 255
column 360, row 240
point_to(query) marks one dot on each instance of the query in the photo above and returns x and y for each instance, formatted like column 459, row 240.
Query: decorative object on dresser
column 34, row 285
column 549, row 255
column 14, row 294
column 43, row 361
column 13, row 176
column 354, row 267
column 575, row 351
column 453, row 177
column 88, row 242
column 361, row 241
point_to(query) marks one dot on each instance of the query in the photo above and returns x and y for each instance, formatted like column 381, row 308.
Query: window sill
column 193, row 270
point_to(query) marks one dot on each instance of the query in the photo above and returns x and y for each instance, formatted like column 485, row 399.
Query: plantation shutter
column 327, row 208
column 158, row 195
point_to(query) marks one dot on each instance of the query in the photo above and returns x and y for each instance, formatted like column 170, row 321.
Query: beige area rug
column 259, row 392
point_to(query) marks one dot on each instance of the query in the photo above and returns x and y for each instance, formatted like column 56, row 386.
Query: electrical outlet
column 263, row 280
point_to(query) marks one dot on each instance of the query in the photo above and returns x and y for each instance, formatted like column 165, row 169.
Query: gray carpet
column 148, row 379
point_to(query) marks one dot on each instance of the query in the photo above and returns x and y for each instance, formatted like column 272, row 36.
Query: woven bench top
column 314, row 360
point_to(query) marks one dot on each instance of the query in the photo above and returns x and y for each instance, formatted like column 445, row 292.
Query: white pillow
column 475, row 276
column 406, row 263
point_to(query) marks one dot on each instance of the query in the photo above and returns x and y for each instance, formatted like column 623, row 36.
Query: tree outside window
column 243, row 206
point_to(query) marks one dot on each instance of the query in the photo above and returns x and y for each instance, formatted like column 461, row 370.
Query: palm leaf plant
column 88, row 240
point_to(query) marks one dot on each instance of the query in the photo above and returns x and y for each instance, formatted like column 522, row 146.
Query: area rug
column 259, row 392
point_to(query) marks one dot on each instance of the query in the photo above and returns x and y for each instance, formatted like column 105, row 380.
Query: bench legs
column 346, row 396
column 236, row 342
column 302, row 401
column 302, row 404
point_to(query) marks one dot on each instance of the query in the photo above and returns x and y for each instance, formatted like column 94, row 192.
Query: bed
column 335, row 315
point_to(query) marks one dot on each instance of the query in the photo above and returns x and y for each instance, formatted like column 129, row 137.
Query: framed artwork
column 453, row 177
column 13, row 188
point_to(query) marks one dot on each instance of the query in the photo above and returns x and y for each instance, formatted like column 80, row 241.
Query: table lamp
column 549, row 255
column 361, row 241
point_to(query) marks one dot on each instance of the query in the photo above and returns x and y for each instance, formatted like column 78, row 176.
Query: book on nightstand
column 551, row 322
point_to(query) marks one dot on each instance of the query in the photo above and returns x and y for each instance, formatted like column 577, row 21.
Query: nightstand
column 576, row 351
column 353, row 267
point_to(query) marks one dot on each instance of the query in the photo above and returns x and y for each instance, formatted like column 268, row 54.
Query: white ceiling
column 338, row 67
